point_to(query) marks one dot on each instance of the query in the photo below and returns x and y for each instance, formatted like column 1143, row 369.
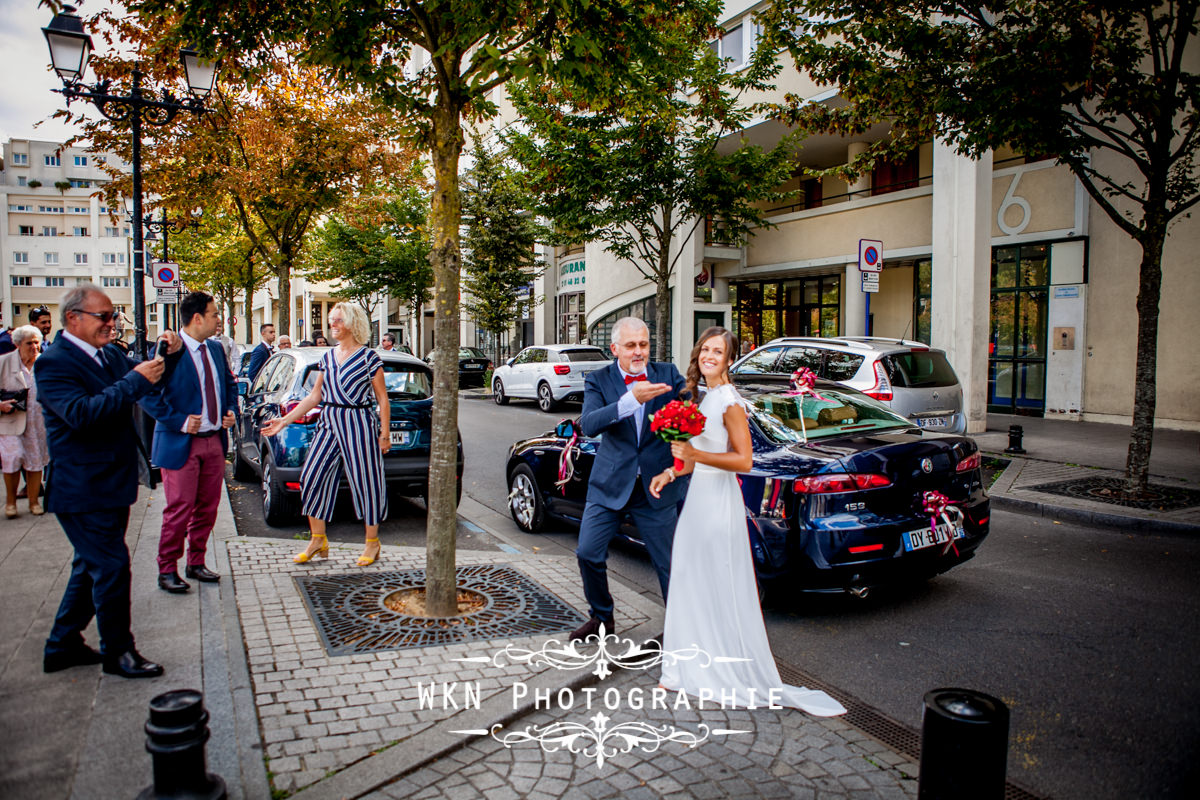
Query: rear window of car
column 919, row 369
column 790, row 418
column 584, row 355
column 470, row 352
column 841, row 366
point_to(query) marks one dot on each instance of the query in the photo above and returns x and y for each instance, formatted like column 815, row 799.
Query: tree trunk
column 283, row 311
column 662, row 289
column 1141, row 439
column 416, row 344
column 248, row 310
column 445, row 218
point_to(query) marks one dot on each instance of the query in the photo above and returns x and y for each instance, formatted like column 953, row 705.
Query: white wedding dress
column 712, row 600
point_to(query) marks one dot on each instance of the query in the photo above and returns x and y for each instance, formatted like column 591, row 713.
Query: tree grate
column 1112, row 490
column 897, row 736
column 351, row 618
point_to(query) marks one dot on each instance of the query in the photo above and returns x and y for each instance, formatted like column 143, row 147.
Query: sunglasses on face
column 104, row 316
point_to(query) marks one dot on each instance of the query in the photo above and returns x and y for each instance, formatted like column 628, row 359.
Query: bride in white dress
column 712, row 602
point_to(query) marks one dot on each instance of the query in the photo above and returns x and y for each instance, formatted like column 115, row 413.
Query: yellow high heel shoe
column 364, row 560
column 322, row 551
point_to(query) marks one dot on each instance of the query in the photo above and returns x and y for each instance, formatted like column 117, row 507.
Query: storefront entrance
column 767, row 310
column 1017, row 336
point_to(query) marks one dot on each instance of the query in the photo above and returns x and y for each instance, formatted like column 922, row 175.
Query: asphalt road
column 1089, row 636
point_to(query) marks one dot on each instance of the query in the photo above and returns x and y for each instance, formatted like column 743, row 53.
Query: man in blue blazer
column 194, row 409
column 618, row 401
column 260, row 354
column 87, row 389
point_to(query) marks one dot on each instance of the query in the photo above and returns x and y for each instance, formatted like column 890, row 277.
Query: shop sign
column 571, row 276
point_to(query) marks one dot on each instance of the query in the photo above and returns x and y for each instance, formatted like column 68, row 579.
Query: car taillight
column 308, row 419
column 882, row 390
column 562, row 369
column 840, row 482
column 969, row 463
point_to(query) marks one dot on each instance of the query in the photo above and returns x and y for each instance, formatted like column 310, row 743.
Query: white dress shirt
column 628, row 404
column 199, row 354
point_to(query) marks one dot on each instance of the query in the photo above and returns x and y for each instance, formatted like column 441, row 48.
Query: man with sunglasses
column 87, row 389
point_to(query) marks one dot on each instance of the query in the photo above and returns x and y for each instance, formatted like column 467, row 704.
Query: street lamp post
column 70, row 48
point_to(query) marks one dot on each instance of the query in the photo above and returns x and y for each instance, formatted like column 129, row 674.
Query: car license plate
column 400, row 437
column 931, row 422
column 472, row 366
column 928, row 537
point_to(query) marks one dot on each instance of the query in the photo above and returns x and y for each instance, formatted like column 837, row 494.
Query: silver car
column 547, row 373
column 911, row 378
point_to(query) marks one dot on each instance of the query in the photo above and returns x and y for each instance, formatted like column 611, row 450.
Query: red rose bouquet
column 677, row 421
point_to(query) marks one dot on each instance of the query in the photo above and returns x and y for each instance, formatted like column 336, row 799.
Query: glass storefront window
column 1017, row 334
column 923, row 300
column 769, row 310
column 1004, row 268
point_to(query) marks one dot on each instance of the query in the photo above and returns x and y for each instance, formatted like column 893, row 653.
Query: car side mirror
column 243, row 388
column 566, row 429
column 509, row 363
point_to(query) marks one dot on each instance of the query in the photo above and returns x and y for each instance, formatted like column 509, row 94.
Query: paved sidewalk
column 1058, row 450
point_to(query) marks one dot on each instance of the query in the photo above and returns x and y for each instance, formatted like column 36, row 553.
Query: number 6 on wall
column 1012, row 200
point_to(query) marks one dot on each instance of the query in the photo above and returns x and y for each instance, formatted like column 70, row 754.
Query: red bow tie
column 631, row 378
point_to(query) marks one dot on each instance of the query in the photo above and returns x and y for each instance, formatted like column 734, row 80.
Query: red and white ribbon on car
column 938, row 506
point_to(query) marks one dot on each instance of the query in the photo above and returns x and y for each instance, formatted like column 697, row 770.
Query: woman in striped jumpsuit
column 348, row 433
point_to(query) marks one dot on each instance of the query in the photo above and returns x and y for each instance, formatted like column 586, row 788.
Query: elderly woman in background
column 22, row 429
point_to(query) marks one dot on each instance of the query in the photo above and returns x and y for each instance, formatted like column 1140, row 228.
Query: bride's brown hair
column 693, row 369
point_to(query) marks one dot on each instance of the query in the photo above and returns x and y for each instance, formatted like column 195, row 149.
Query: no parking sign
column 165, row 275
column 870, row 255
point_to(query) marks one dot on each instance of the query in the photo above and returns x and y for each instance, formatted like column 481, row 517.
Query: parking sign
column 870, row 255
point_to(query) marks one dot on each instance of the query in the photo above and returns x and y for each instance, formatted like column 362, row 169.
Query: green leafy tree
column 499, row 246
column 1076, row 79
column 378, row 245
column 641, row 176
column 436, row 63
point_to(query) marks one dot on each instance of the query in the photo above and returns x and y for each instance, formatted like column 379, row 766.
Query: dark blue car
column 283, row 382
column 835, row 502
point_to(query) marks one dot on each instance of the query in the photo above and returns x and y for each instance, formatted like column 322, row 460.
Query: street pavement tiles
column 320, row 713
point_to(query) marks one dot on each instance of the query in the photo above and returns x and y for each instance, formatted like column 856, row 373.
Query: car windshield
column 403, row 381
column 584, row 355
column 470, row 352
column 919, row 369
column 837, row 413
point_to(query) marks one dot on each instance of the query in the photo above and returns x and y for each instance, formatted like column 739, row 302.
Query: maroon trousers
column 193, row 493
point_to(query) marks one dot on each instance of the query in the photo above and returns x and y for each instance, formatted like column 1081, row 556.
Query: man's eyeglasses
column 104, row 316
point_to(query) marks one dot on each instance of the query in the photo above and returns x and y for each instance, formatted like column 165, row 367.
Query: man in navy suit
column 87, row 389
column 618, row 401
column 260, row 354
column 194, row 408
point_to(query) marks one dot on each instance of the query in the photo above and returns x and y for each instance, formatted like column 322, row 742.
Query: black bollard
column 964, row 746
column 176, row 735
column 1015, row 434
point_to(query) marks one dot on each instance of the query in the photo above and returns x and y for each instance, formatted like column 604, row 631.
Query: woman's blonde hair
column 355, row 321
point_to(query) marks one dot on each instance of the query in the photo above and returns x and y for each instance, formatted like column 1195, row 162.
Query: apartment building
column 55, row 232
column 1005, row 262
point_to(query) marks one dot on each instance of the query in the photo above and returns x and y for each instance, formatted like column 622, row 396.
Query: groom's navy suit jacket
column 622, row 453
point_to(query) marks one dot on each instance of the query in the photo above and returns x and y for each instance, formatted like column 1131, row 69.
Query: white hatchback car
column 548, row 373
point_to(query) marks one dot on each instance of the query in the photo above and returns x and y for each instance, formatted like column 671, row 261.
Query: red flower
column 677, row 421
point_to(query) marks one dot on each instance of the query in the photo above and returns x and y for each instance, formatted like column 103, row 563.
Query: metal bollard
column 964, row 746
column 1015, row 434
column 176, row 735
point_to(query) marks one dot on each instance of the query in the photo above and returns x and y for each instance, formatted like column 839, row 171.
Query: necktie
column 631, row 378
column 210, row 387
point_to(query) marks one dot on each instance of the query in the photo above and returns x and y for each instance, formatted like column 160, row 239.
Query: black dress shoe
column 201, row 573
column 171, row 582
column 75, row 657
column 130, row 664
column 592, row 628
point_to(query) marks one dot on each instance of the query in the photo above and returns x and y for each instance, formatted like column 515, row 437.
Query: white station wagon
column 547, row 373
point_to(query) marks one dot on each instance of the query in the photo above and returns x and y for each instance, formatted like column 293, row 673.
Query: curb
column 1101, row 519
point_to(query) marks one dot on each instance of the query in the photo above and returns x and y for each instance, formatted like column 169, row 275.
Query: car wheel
column 498, row 393
column 546, row 401
column 243, row 470
column 525, row 500
column 278, row 508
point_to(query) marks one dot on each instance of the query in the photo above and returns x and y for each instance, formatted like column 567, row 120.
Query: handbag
column 19, row 398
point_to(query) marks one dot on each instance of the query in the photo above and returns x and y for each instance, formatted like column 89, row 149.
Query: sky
column 27, row 84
